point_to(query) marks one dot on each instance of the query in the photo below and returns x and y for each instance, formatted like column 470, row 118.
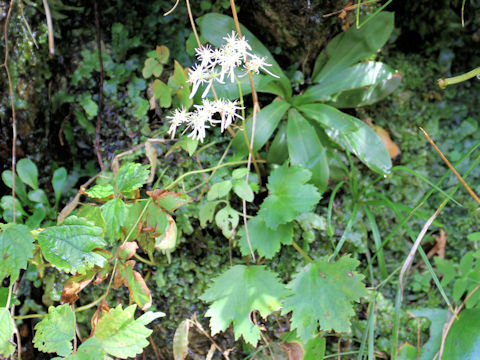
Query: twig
column 411, row 254
column 51, row 44
column 154, row 347
column 465, row 185
column 14, row 119
column 200, row 328
column 26, row 24
column 100, row 90
column 172, row 9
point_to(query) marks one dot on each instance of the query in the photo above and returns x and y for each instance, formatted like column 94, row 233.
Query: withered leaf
column 75, row 284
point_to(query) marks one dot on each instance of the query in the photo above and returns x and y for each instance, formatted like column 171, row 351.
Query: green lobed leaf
column 356, row 44
column 16, row 247
column 132, row 176
column 6, row 332
column 121, row 335
column 238, row 292
column 114, row 213
column 288, row 195
column 266, row 123
column 100, row 191
column 265, row 241
column 28, row 172
column 305, row 149
column 243, row 190
column 352, row 134
column 56, row 331
column 323, row 293
column 69, row 246
column 463, row 339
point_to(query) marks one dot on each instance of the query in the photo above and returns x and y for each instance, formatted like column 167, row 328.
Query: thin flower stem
column 302, row 252
column 443, row 83
column 145, row 261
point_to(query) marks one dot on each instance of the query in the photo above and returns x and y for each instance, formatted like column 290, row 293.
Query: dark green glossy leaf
column 214, row 27
column 352, row 134
column 356, row 44
column 463, row 339
column 305, row 149
column 359, row 85
column 267, row 121
column 278, row 152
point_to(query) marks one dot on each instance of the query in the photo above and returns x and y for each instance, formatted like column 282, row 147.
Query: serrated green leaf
column 236, row 293
column 227, row 219
column 266, row 241
column 56, row 331
column 93, row 214
column 28, row 172
column 16, row 247
column 219, row 190
column 69, row 246
column 59, row 180
column 6, row 332
column 206, row 213
column 120, row 335
column 88, row 350
column 114, row 214
column 305, row 149
column 323, row 293
column 288, row 195
column 100, row 191
column 243, row 190
column 132, row 176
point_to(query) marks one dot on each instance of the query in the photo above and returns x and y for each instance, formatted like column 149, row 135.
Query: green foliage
column 131, row 176
column 323, row 293
column 56, row 331
column 6, row 332
column 236, row 293
column 16, row 247
column 288, row 196
column 69, row 246
column 119, row 334
column 114, row 214
column 463, row 339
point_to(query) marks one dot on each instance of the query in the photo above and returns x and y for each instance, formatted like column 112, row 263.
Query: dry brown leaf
column 152, row 158
column 74, row 285
column 393, row 149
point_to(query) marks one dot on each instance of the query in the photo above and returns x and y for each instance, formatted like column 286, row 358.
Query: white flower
column 255, row 63
column 207, row 56
column 229, row 60
column 239, row 45
column 228, row 109
column 198, row 75
column 178, row 117
column 197, row 124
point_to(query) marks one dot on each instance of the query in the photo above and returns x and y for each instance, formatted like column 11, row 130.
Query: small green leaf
column 323, row 293
column 227, row 219
column 206, row 213
column 239, row 173
column 475, row 236
column 56, row 331
column 188, row 144
column 120, row 335
column 28, row 173
column 38, row 196
column 219, row 190
column 69, row 246
column 20, row 189
column 114, row 214
column 16, row 247
column 90, row 107
column 59, row 180
column 463, row 339
column 6, row 203
column 147, row 70
column 157, row 70
column 163, row 53
column 171, row 201
column 288, row 195
column 243, row 190
column 162, row 93
column 239, row 291
column 305, row 149
column 266, row 241
column 132, row 176
column 100, row 191
column 6, row 333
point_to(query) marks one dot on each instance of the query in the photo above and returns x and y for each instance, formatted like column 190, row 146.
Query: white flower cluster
column 197, row 120
column 214, row 65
